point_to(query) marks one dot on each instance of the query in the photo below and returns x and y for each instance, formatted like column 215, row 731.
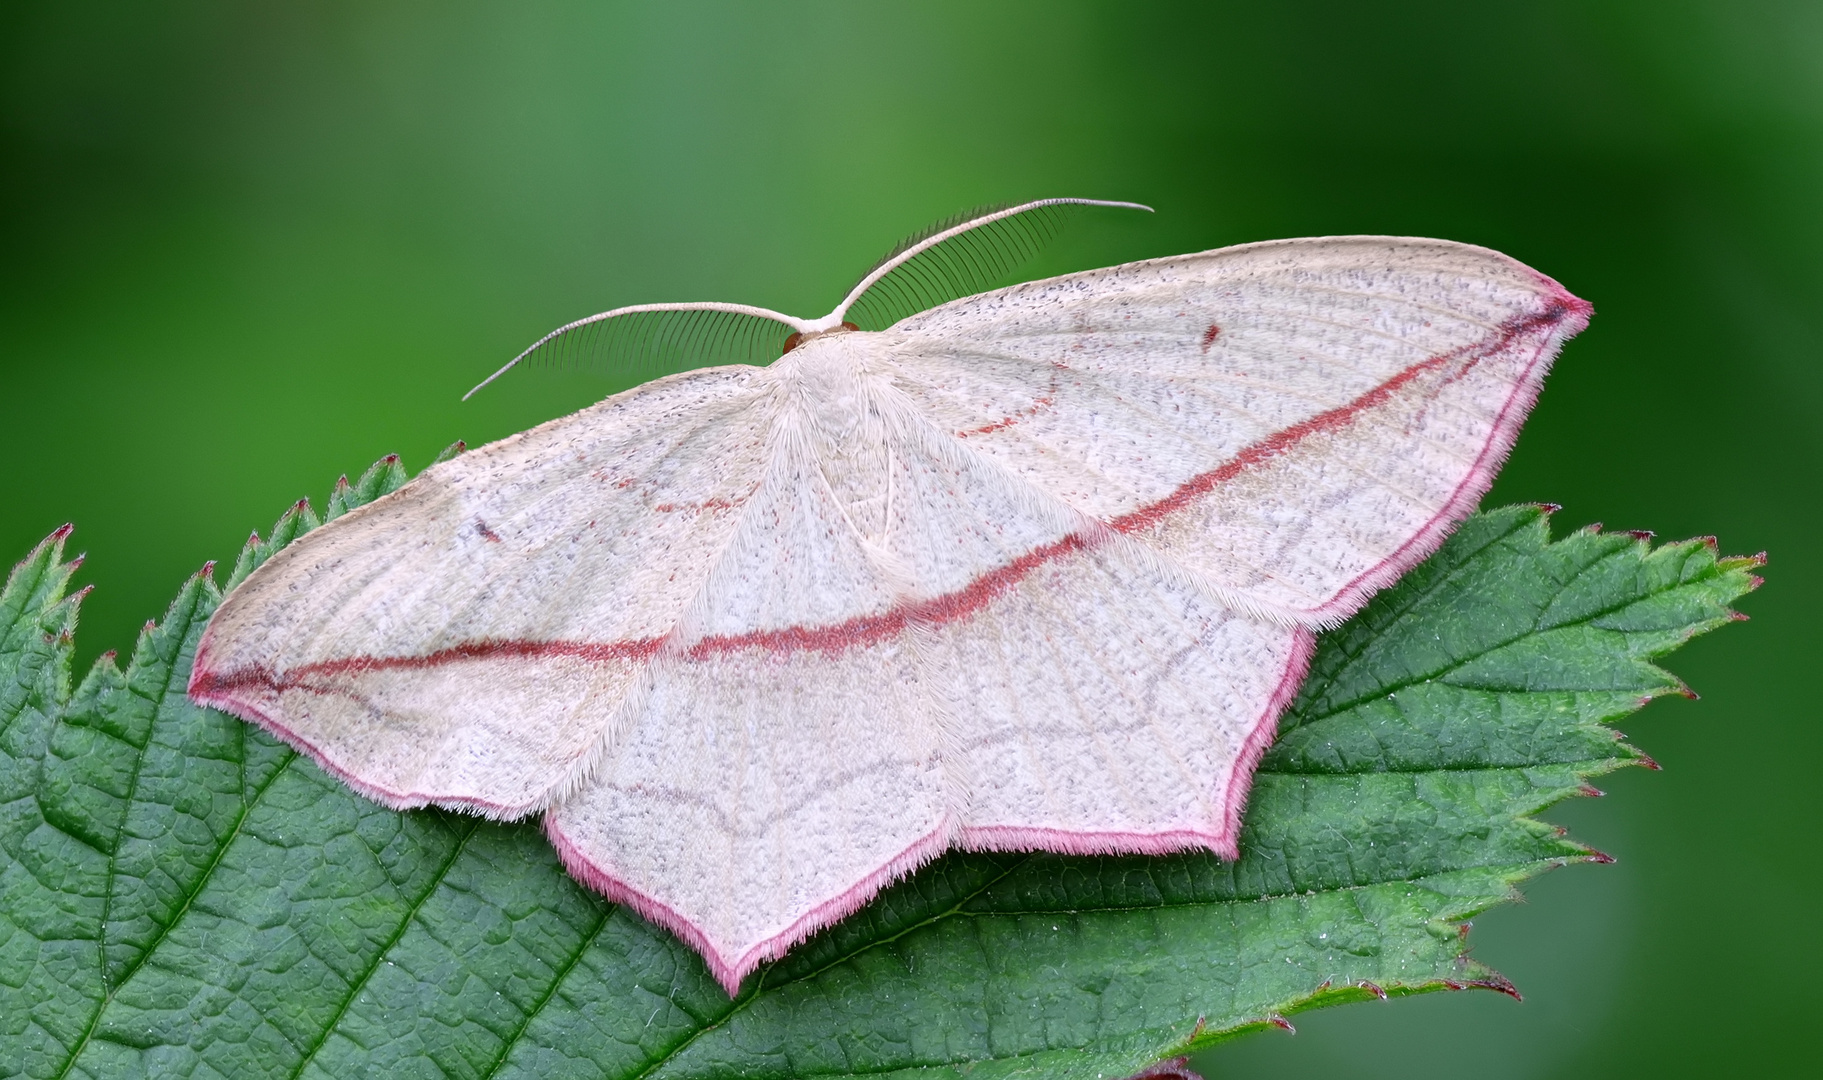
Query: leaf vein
column 761, row 988
column 1457, row 663
column 164, row 931
column 379, row 956
column 550, row 992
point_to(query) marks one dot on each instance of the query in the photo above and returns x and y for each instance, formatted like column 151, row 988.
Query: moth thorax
column 831, row 380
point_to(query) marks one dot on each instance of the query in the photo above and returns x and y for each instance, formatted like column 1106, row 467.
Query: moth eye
column 792, row 342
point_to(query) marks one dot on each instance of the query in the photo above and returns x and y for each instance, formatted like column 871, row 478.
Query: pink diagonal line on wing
column 1280, row 441
column 247, row 691
column 1474, row 485
column 868, row 629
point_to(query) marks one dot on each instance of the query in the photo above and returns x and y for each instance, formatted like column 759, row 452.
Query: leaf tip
column 1169, row 1069
column 1373, row 988
column 1590, row 791
column 1646, row 761
column 1498, row 983
column 1278, row 1021
column 1644, row 536
column 1600, row 858
column 1548, row 508
column 63, row 531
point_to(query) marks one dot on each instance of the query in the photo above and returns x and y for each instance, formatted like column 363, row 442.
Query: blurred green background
column 246, row 247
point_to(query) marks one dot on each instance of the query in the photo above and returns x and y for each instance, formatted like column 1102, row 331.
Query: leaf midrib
column 1270, row 897
column 1596, row 764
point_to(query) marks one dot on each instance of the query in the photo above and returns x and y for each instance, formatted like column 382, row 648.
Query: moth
column 1032, row 569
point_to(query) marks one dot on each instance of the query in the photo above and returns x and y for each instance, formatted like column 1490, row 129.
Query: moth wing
column 1106, row 703
column 905, row 645
column 468, row 639
column 1094, row 697
column 788, row 760
column 1296, row 422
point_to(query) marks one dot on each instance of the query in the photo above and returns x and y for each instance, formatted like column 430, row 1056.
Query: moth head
column 799, row 337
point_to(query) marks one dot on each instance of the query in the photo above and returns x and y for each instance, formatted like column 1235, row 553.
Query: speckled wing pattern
column 1034, row 569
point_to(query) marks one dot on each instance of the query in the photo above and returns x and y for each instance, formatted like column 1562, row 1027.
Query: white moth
column 1032, row 569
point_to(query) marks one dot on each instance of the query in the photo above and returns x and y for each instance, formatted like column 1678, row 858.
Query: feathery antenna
column 649, row 340
column 957, row 258
column 951, row 259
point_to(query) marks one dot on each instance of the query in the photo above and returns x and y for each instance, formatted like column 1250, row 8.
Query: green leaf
column 181, row 895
